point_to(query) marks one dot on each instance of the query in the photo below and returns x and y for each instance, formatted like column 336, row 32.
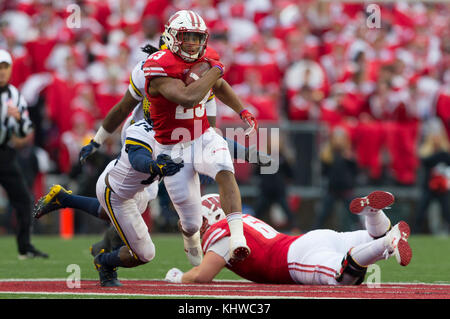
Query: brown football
column 196, row 72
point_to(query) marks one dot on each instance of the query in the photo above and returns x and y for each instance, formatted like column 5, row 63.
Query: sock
column 111, row 259
column 368, row 253
column 377, row 223
column 193, row 241
column 90, row 205
column 236, row 225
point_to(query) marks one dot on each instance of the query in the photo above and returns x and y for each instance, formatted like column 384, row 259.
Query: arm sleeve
column 140, row 158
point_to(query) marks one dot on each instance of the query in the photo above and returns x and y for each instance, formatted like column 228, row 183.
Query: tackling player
column 182, row 130
column 318, row 257
column 122, row 194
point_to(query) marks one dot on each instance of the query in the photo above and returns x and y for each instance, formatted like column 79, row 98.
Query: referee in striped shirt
column 14, row 120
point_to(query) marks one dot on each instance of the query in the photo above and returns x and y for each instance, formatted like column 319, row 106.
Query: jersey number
column 182, row 113
column 157, row 55
column 145, row 126
column 261, row 227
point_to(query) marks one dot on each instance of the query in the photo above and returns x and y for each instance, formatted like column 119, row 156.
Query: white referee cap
column 5, row 57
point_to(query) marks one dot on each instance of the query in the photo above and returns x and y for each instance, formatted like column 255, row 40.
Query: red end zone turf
column 225, row 289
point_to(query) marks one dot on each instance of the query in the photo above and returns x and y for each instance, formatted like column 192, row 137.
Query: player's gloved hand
column 88, row 150
column 165, row 166
column 174, row 275
column 250, row 120
column 252, row 155
column 216, row 64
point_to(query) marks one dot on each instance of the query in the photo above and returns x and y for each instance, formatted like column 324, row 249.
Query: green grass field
column 169, row 253
column 430, row 263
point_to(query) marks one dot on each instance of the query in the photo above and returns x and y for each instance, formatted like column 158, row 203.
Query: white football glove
column 174, row 275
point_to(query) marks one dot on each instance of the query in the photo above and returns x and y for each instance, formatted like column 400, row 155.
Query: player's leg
column 350, row 253
column 184, row 191
column 111, row 239
column 212, row 158
column 386, row 240
column 315, row 258
column 321, row 257
column 126, row 217
column 371, row 207
column 58, row 197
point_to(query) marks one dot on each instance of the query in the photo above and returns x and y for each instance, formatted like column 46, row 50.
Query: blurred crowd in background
column 382, row 93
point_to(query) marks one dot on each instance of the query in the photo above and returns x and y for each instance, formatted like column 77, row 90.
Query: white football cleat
column 193, row 249
column 376, row 200
column 397, row 243
column 239, row 249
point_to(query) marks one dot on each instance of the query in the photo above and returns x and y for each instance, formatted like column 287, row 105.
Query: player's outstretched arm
column 188, row 96
column 112, row 121
column 225, row 93
column 211, row 265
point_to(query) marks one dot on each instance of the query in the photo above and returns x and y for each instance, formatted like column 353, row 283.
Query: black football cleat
column 49, row 202
column 108, row 275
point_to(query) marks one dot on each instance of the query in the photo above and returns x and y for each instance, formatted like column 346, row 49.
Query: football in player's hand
column 196, row 72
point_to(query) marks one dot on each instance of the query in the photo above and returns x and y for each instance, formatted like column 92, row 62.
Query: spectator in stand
column 379, row 83
column 306, row 84
column 340, row 169
column 435, row 156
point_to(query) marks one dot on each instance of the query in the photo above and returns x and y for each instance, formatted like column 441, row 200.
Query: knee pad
column 351, row 273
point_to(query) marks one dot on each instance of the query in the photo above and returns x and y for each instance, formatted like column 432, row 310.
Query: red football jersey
column 168, row 116
column 267, row 262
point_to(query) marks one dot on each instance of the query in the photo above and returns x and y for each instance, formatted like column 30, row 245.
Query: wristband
column 219, row 67
column 101, row 135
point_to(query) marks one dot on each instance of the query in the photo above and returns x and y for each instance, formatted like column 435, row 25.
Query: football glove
column 250, row 120
column 252, row 155
column 174, row 275
column 88, row 150
column 165, row 166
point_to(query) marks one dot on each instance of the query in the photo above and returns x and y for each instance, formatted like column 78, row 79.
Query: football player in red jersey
column 182, row 129
column 318, row 257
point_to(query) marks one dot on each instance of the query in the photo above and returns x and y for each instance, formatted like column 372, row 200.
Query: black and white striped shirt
column 8, row 124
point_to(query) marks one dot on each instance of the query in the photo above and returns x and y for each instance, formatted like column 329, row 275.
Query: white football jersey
column 123, row 178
